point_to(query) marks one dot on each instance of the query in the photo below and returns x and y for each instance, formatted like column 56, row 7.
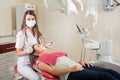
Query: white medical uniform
column 23, row 62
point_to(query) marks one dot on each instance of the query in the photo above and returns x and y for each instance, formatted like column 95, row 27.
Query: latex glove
column 50, row 45
column 29, row 50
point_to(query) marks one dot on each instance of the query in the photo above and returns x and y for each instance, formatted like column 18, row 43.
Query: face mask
column 30, row 23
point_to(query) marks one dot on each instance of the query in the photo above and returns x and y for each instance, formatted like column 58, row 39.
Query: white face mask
column 30, row 23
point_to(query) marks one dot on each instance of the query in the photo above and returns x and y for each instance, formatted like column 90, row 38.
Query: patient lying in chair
column 57, row 63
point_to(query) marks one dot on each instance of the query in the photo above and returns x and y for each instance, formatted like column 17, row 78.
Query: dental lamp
column 64, row 6
column 91, row 45
column 83, row 32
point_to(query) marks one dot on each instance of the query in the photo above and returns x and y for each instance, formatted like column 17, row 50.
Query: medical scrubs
column 23, row 62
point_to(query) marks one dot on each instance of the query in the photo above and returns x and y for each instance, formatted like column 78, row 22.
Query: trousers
column 28, row 72
column 94, row 73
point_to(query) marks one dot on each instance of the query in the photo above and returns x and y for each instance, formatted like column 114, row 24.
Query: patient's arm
column 60, row 71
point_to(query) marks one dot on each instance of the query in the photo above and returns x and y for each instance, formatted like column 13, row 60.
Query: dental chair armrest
column 109, row 65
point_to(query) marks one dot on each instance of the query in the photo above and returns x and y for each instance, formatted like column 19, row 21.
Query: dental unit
column 103, row 51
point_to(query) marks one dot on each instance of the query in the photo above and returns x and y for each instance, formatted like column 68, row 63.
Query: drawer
column 9, row 77
column 3, row 74
column 7, row 55
column 10, row 54
column 11, row 63
column 2, row 56
column 11, row 59
column 11, row 73
column 6, row 77
column 3, row 66
column 3, row 61
column 6, row 74
column 10, row 68
column 6, row 59
column 7, row 47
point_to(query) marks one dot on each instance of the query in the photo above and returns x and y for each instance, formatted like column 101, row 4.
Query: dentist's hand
column 29, row 50
column 49, row 45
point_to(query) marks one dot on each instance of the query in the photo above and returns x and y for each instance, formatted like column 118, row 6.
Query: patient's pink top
column 50, row 58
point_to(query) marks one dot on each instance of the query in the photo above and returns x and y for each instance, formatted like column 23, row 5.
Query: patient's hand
column 76, row 68
column 86, row 64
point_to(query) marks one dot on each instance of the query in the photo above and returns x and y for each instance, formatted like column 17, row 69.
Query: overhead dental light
column 53, row 5
column 92, row 10
column 80, row 3
column 64, row 6
column 83, row 32
column 70, row 7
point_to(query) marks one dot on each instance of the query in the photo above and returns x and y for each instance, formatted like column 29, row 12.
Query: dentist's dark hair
column 33, row 57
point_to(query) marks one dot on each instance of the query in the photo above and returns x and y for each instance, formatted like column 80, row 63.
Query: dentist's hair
column 36, row 31
column 33, row 57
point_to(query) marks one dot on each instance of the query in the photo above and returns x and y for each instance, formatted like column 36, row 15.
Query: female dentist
column 25, row 38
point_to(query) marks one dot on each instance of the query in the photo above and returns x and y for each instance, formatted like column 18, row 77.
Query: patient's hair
column 33, row 57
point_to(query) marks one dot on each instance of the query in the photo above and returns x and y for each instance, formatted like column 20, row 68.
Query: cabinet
column 7, row 61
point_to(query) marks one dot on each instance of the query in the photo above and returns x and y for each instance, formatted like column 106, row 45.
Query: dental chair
column 44, row 75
